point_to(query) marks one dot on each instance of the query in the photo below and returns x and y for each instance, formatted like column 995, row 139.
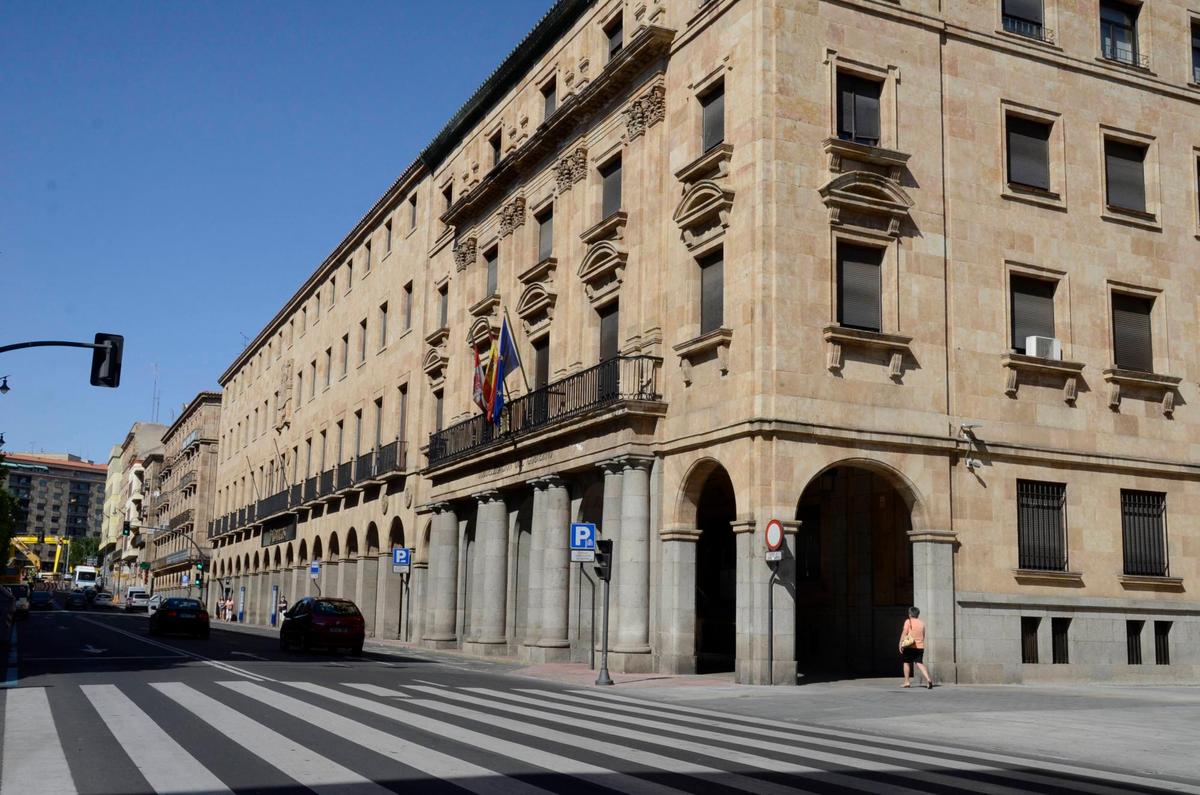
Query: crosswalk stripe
column 32, row 753
column 472, row 777
column 376, row 690
column 159, row 758
column 310, row 769
column 647, row 758
column 825, row 734
column 833, row 775
column 551, row 761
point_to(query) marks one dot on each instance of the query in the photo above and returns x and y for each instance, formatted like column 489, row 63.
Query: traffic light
column 603, row 563
column 125, row 529
column 199, row 565
column 106, row 360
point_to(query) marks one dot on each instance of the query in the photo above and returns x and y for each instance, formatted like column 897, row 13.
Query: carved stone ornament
column 283, row 409
column 464, row 253
column 512, row 216
column 645, row 111
column 536, row 308
column 570, row 169
column 862, row 193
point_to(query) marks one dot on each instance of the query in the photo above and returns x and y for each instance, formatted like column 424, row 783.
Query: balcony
column 310, row 489
column 1124, row 53
column 345, row 475
column 618, row 380
column 391, row 460
column 364, row 468
column 188, row 479
column 326, row 484
column 274, row 504
column 297, row 495
column 180, row 519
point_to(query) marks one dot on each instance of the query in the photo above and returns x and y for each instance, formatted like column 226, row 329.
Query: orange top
column 917, row 627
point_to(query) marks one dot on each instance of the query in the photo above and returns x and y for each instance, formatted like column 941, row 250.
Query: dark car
column 181, row 615
column 77, row 600
column 41, row 600
column 320, row 621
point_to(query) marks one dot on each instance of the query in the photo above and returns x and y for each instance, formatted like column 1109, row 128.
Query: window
column 1025, row 18
column 328, row 365
column 401, row 411
column 494, row 143
column 358, row 433
column 1196, row 52
column 345, row 353
column 312, row 380
column 1028, row 152
column 1118, row 32
column 1125, row 175
column 1133, row 347
column 1162, row 642
column 859, row 286
column 444, row 306
column 349, row 274
column 491, row 258
column 407, row 298
column 858, row 109
column 378, row 422
column 610, row 320
column 321, row 461
column 383, row 318
column 316, row 306
column 549, row 98
column 299, row 386
column 712, row 114
column 712, row 292
column 610, row 179
column 448, row 196
column 1029, row 639
column 303, row 318
column 387, row 238
column 367, row 257
column 1133, row 641
column 545, row 222
column 332, row 290
column 1059, row 641
column 437, row 410
column 614, row 33
column 362, row 338
column 341, row 447
column 1041, row 529
column 1032, row 308
column 541, row 362
column 1143, row 532
column 412, row 212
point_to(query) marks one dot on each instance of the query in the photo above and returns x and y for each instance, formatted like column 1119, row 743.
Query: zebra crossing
column 250, row 734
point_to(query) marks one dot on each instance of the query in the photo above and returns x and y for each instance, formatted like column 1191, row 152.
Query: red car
column 321, row 621
column 186, row 616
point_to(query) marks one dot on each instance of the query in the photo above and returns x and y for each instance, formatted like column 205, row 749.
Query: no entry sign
column 773, row 535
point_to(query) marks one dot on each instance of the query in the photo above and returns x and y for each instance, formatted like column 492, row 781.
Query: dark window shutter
column 550, row 98
column 611, row 176
column 1028, row 10
column 1132, row 344
column 858, row 109
column 858, row 282
column 1040, row 526
column 713, row 113
column 1032, row 310
column 541, row 363
column 545, row 234
column 1028, row 153
column 609, row 323
column 1124, row 167
column 492, row 258
column 712, row 293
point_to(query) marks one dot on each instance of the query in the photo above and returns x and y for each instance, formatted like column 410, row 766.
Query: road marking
column 307, row 767
column 160, row 759
column 424, row 682
column 440, row 765
column 92, row 660
column 90, row 649
column 248, row 654
column 183, row 652
column 376, row 690
column 712, row 775
column 32, row 753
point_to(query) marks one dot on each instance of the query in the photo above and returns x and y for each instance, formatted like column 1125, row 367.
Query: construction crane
column 23, row 544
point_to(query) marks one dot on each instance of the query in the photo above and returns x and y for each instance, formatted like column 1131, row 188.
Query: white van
column 86, row 578
column 137, row 598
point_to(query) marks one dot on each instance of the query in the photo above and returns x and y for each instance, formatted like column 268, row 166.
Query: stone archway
column 854, row 570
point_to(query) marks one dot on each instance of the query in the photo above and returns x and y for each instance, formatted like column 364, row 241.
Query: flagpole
column 524, row 377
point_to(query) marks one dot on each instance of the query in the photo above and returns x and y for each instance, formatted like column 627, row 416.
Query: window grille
column 1029, row 639
column 1144, row 533
column 1133, row 641
column 1059, row 635
column 1162, row 646
column 1041, row 528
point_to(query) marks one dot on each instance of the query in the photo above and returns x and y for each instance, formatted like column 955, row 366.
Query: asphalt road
column 101, row 708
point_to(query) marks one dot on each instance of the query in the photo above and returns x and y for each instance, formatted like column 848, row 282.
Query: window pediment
column 602, row 269
column 481, row 333
column 536, row 308
column 434, row 363
column 703, row 212
column 858, row 194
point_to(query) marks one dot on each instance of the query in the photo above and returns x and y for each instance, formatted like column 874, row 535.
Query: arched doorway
column 716, row 575
column 854, row 574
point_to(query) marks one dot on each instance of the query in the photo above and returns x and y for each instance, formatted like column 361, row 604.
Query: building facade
column 59, row 496
column 186, row 488
column 909, row 278
column 141, row 448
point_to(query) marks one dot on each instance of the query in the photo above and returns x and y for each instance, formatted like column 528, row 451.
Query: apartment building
column 909, row 278
column 59, row 495
column 186, row 489
column 139, row 460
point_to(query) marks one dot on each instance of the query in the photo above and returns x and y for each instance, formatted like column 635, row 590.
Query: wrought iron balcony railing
column 345, row 475
column 310, row 489
column 1121, row 52
column 297, row 495
column 364, row 467
column 180, row 519
column 275, row 503
column 326, row 483
column 1028, row 29
column 392, row 457
column 622, row 378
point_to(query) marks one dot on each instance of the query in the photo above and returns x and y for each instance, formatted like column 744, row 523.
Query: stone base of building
column 625, row 662
column 440, row 644
column 486, row 648
column 757, row 672
column 535, row 655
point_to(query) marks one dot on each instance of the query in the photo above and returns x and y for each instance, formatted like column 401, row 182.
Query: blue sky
column 174, row 171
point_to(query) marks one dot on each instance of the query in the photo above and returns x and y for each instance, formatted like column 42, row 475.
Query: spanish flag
column 504, row 360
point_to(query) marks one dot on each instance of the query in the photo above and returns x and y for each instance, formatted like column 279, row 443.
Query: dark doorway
column 853, row 575
column 716, row 576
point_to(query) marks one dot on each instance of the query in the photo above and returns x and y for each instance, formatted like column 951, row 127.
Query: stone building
column 139, row 459
column 59, row 495
column 186, row 485
column 908, row 276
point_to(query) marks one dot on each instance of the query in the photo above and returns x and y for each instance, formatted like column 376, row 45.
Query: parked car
column 136, row 599
column 322, row 621
column 21, row 600
column 41, row 600
column 178, row 614
column 77, row 600
column 153, row 604
column 103, row 600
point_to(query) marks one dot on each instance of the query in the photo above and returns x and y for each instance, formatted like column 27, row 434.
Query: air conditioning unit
column 1043, row 348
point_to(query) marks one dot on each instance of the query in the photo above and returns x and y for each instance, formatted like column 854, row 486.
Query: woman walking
column 912, row 647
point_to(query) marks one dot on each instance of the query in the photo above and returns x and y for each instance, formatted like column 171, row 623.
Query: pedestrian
column 912, row 647
column 282, row 604
column 229, row 607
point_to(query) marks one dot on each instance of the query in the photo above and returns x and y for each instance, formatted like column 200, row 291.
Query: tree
column 84, row 548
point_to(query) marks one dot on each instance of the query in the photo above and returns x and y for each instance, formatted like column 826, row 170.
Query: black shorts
column 913, row 655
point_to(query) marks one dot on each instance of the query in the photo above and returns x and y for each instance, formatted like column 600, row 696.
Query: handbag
column 907, row 640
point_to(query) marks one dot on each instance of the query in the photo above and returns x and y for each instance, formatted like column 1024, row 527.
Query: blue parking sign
column 583, row 535
column 401, row 556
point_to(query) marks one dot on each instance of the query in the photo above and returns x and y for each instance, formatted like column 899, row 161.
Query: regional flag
column 478, row 394
column 506, row 360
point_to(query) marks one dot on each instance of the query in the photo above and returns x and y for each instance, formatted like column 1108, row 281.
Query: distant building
column 58, row 495
column 124, row 553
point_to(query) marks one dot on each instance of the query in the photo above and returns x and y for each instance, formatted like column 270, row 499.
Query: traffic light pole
column 603, row 678
column 106, row 355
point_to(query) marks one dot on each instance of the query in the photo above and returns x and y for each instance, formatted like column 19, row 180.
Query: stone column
column 330, row 578
column 491, row 537
column 442, row 595
column 678, row 594
column 610, row 527
column 367, row 579
column 412, row 603
column 387, row 597
column 556, row 571
column 933, row 594
column 533, row 600
column 632, row 564
column 348, row 578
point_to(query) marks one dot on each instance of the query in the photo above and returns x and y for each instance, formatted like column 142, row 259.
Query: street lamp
column 4, row 387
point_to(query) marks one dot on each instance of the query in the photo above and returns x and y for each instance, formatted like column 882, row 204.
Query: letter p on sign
column 583, row 535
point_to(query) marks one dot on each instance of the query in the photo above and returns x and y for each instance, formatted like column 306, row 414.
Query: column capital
column 679, row 532
column 744, row 525
column 488, row 495
column 629, row 462
column 611, row 466
column 933, row 536
column 543, row 482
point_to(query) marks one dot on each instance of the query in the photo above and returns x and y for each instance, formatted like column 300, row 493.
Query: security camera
column 969, row 427
column 973, row 464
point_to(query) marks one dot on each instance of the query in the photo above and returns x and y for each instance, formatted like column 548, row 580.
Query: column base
column 536, row 655
column 553, row 643
column 627, row 662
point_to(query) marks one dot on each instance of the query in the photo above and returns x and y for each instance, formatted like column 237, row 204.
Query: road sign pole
column 604, row 678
